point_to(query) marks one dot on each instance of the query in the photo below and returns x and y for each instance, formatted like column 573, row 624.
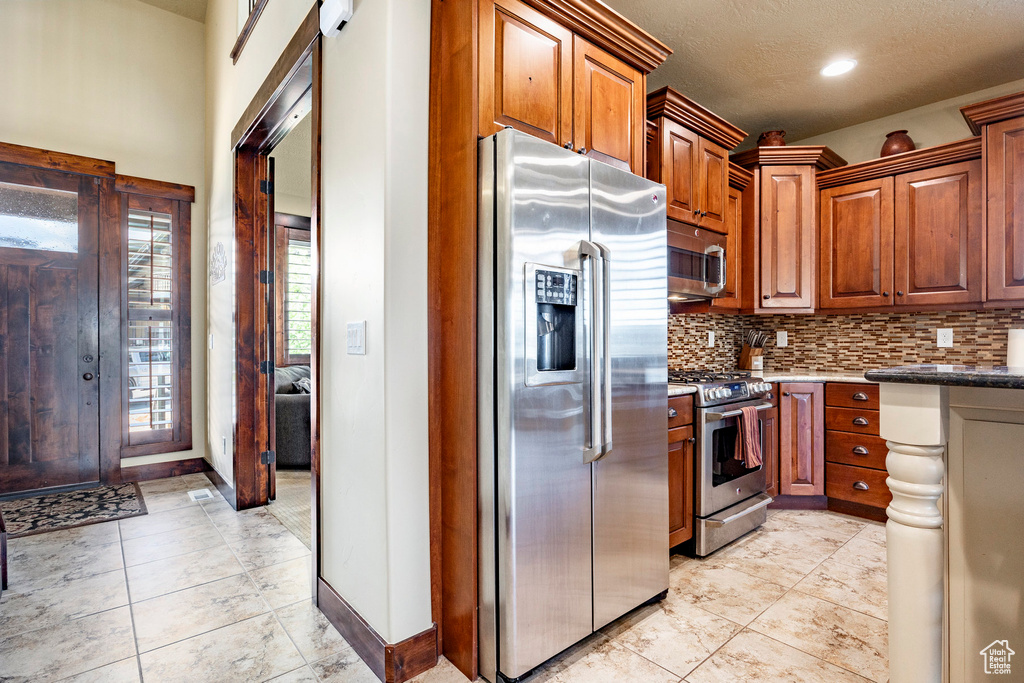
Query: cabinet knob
column 672, row 412
column 860, row 396
column 899, row 293
column 583, row 150
column 769, row 396
column 703, row 214
column 885, row 294
column 568, row 145
column 860, row 450
column 692, row 439
column 860, row 421
column 766, row 297
column 861, row 485
column 785, row 393
column 696, row 211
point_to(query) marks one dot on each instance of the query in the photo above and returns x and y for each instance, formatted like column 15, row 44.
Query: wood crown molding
column 56, row 161
column 279, row 77
column 154, row 188
column 915, row 160
column 390, row 663
column 819, row 156
column 993, row 111
column 609, row 30
column 739, row 177
column 684, row 111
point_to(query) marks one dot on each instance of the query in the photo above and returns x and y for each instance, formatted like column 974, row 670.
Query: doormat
column 55, row 511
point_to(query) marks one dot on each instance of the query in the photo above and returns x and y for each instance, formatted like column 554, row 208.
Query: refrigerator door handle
column 588, row 251
column 606, row 342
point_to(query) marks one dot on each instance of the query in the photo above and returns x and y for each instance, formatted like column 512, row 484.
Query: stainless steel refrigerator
column 572, row 399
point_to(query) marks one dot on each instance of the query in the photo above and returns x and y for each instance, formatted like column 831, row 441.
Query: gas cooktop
column 720, row 388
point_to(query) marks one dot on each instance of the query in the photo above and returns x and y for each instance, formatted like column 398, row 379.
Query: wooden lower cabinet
column 680, row 484
column 802, row 439
column 854, row 452
column 770, row 454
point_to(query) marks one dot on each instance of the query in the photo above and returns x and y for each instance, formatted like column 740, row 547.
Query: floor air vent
column 200, row 494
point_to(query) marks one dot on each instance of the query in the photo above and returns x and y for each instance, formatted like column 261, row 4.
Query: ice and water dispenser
column 556, row 320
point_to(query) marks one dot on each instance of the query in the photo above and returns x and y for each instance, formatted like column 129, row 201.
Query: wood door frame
column 291, row 89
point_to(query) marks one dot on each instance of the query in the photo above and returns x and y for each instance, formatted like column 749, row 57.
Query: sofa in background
column 291, row 418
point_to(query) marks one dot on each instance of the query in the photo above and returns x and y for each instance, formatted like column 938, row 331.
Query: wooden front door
column 49, row 329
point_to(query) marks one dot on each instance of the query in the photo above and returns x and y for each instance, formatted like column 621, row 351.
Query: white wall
column 122, row 81
column 374, row 221
column 375, row 512
column 932, row 124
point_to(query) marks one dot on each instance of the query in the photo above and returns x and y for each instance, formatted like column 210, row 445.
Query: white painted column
column 914, row 421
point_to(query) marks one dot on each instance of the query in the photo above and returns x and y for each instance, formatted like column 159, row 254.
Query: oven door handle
column 715, row 417
column 720, row 251
column 765, row 502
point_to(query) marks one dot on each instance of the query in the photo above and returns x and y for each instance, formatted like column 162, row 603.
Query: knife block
column 751, row 358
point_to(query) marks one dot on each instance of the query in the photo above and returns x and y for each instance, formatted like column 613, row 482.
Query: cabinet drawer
column 683, row 407
column 864, row 396
column 842, row 481
column 860, row 450
column 677, row 436
column 854, row 420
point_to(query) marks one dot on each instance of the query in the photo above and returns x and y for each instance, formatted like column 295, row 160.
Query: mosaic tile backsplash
column 834, row 343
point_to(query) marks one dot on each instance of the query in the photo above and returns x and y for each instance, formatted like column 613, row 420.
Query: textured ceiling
column 192, row 9
column 756, row 62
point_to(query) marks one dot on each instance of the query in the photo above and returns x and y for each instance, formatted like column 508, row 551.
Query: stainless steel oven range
column 729, row 498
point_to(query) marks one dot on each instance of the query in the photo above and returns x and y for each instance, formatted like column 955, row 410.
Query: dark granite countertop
column 952, row 375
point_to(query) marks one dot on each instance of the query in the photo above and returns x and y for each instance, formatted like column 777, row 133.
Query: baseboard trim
column 858, row 510
column 162, row 470
column 391, row 663
column 799, row 503
column 222, row 486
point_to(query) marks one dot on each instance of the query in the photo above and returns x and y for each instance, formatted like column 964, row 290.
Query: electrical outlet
column 224, row 445
column 711, row 339
column 944, row 337
column 781, row 338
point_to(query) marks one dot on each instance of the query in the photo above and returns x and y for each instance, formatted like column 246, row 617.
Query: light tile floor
column 292, row 504
column 200, row 592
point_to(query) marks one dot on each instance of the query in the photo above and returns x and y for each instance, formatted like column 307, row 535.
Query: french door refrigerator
column 572, row 399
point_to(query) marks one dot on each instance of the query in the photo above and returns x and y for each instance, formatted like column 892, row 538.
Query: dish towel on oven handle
column 748, row 439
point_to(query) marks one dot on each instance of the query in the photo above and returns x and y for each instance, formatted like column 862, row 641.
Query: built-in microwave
column 696, row 262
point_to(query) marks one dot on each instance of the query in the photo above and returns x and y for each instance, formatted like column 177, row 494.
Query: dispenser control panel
column 556, row 288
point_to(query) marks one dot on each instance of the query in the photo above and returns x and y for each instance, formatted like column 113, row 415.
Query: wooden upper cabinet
column 802, row 439
column 856, row 245
column 690, row 155
column 939, row 235
column 713, row 174
column 1005, row 148
column 729, row 298
column 526, row 72
column 678, row 170
column 787, row 236
column 609, row 108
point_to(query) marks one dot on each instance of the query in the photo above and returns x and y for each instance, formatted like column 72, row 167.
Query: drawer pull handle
column 672, row 412
column 861, row 485
column 860, row 396
column 860, row 450
column 860, row 421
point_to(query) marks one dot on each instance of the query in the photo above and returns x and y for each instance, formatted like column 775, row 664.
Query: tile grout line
column 128, row 593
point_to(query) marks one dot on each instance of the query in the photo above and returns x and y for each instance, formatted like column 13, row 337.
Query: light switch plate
column 944, row 337
column 781, row 338
column 711, row 339
column 357, row 338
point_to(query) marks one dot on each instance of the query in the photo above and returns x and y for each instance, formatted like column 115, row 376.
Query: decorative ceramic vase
column 897, row 142
column 772, row 138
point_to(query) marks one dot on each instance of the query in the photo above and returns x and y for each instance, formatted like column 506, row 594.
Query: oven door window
column 725, row 466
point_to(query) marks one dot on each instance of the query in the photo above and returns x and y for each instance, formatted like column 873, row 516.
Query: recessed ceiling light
column 839, row 67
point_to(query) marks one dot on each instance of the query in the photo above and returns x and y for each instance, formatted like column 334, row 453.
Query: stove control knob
column 726, row 393
column 709, row 394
